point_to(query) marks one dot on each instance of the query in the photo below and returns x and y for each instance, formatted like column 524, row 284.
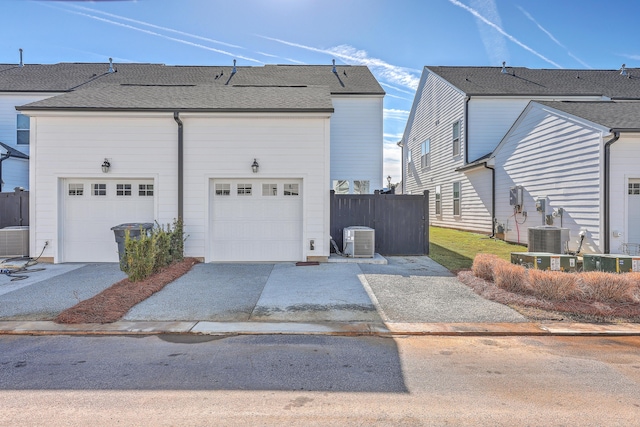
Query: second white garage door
column 92, row 206
column 256, row 220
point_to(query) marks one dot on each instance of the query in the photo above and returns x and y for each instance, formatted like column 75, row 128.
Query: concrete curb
column 328, row 328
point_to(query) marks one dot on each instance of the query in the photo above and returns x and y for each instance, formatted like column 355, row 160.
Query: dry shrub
column 608, row 287
column 554, row 285
column 483, row 266
column 512, row 278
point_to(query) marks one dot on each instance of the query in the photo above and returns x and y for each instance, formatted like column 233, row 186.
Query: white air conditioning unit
column 359, row 242
column 548, row 239
column 14, row 241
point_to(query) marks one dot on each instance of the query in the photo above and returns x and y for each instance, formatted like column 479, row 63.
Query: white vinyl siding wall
column 145, row 146
column 436, row 108
column 555, row 156
column 356, row 140
column 8, row 116
column 625, row 154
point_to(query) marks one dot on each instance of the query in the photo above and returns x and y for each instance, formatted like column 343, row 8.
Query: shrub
column 483, row 265
column 147, row 254
column 553, row 285
column 510, row 277
column 608, row 287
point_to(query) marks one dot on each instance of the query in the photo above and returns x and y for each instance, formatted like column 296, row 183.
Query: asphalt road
column 319, row 380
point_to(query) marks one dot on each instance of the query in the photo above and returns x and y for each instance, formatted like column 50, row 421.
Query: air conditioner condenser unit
column 359, row 242
column 14, row 241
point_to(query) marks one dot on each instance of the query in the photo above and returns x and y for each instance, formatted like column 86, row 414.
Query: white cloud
column 399, row 75
column 413, row 92
column 494, row 42
column 503, row 32
column 389, row 113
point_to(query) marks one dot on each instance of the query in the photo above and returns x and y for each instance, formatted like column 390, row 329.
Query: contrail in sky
column 503, row 32
column 348, row 54
column 157, row 27
column 551, row 36
column 142, row 30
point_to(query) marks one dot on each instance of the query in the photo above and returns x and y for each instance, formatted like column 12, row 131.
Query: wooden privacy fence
column 14, row 209
column 401, row 221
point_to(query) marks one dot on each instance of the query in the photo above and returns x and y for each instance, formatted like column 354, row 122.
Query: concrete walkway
column 407, row 295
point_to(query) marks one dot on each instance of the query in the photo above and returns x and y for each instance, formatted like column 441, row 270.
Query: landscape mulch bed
column 114, row 302
column 541, row 309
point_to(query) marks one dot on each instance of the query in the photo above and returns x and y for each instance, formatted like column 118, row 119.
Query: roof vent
column 623, row 70
column 21, row 64
column 504, row 68
column 334, row 67
column 234, row 67
column 111, row 70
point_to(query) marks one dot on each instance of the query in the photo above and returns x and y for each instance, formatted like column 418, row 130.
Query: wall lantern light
column 389, row 181
column 105, row 166
column 255, row 166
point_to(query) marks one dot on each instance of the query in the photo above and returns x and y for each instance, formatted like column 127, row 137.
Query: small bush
column 148, row 253
column 483, row 265
column 553, row 285
column 608, row 287
column 510, row 277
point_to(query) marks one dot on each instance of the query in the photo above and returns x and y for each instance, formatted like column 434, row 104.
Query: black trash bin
column 135, row 231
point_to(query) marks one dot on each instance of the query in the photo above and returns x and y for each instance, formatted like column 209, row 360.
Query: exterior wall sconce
column 255, row 166
column 105, row 166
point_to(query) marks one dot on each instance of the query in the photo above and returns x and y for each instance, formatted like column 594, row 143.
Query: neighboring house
column 245, row 155
column 14, row 168
column 474, row 134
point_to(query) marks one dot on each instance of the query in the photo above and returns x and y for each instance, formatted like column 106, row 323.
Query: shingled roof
column 201, row 88
column 490, row 81
column 617, row 116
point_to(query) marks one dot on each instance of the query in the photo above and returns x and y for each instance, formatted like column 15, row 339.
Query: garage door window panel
column 244, row 189
column 223, row 189
column 76, row 189
column 99, row 189
column 291, row 190
column 269, row 189
column 123, row 189
column 145, row 190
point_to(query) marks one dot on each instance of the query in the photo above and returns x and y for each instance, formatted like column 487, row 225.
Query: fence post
column 425, row 217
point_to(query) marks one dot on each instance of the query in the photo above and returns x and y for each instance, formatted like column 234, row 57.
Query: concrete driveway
column 407, row 289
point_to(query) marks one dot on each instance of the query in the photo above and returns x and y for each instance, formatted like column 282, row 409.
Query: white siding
column 489, row 122
column 436, row 107
column 356, row 140
column 555, row 156
column 625, row 165
column 145, row 146
column 8, row 114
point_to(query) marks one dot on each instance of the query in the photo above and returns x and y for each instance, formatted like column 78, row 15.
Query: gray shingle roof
column 542, row 82
column 618, row 116
column 13, row 152
column 211, row 88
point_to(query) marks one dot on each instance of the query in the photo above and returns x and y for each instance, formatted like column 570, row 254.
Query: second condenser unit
column 359, row 242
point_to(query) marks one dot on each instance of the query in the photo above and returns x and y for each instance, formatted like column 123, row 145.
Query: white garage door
column 92, row 206
column 256, row 220
column 633, row 233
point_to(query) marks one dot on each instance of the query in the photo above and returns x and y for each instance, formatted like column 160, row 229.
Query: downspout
column 466, row 129
column 607, row 195
column 493, row 199
column 2, row 159
column 176, row 117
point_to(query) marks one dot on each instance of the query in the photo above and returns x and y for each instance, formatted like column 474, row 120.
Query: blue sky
column 395, row 38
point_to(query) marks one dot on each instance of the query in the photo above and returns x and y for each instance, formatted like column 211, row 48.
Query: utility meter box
column 610, row 263
column 516, row 197
column 545, row 261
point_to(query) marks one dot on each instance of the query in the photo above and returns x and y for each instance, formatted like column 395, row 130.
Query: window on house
column 23, row 126
column 269, row 189
column 145, row 189
column 634, row 188
column 223, row 189
column 291, row 190
column 123, row 189
column 360, row 187
column 456, row 198
column 76, row 189
column 99, row 189
column 438, row 200
column 341, row 186
column 456, row 138
column 244, row 189
column 409, row 160
column 425, row 147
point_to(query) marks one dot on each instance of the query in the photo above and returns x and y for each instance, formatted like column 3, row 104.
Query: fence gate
column 401, row 221
column 14, row 209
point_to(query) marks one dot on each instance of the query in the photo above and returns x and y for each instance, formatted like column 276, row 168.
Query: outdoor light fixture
column 105, row 166
column 255, row 166
column 389, row 181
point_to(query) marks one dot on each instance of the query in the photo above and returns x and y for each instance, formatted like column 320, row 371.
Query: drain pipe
column 466, row 129
column 607, row 195
column 2, row 159
column 493, row 199
column 176, row 117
